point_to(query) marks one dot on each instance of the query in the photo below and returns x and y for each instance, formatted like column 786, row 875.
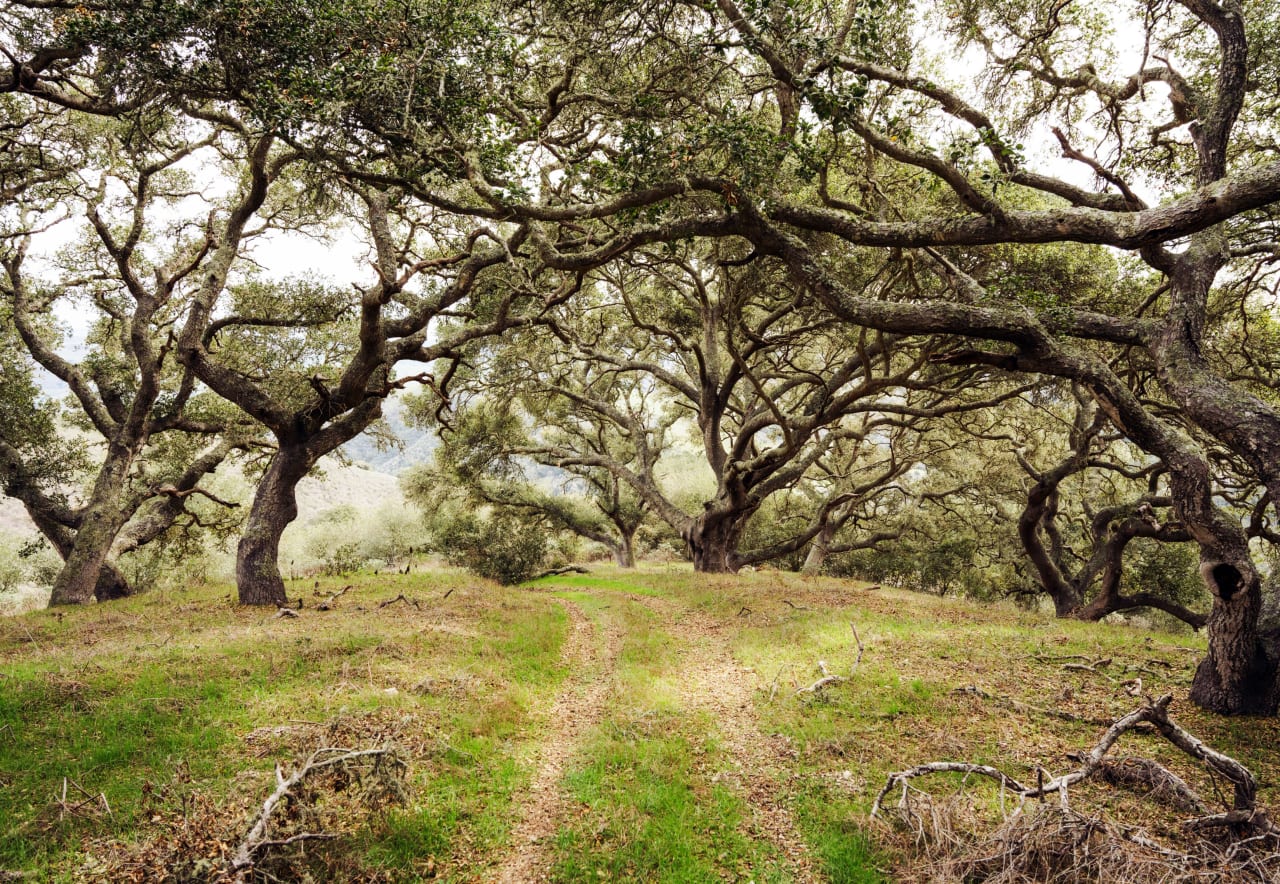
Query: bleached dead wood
column 1245, row 813
column 827, row 677
column 327, row 604
column 88, row 805
column 257, row 840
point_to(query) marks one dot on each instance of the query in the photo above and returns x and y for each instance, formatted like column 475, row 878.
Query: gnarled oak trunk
column 713, row 539
column 103, row 518
column 111, row 583
column 819, row 549
column 1238, row 676
column 624, row 554
column 275, row 505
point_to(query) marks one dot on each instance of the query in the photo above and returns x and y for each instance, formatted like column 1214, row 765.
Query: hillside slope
column 613, row 726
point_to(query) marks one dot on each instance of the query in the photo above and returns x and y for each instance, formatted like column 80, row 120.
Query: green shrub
column 499, row 547
column 12, row 570
column 952, row 564
column 1170, row 570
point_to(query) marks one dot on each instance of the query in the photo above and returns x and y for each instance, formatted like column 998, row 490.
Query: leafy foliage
column 499, row 546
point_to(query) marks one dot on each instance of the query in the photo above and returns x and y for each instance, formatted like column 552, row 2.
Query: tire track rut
column 712, row 681
column 577, row 708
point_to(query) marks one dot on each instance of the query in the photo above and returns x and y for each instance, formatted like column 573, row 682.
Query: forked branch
column 1245, row 814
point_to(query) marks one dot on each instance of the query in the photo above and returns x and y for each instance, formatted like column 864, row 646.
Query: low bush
column 498, row 546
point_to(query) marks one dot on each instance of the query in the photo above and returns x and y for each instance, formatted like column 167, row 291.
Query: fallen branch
column 400, row 598
column 1063, row 658
column 1151, row 778
column 1245, row 812
column 285, row 613
column 327, row 604
column 32, row 637
column 1095, row 667
column 827, row 677
column 1019, row 706
column 88, row 806
column 556, row 572
column 857, row 638
column 773, row 691
column 794, row 606
column 386, row 762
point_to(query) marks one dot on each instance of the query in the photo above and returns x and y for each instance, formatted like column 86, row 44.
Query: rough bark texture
column 713, row 539
column 101, row 522
column 818, row 550
column 275, row 505
column 111, row 583
column 1237, row 676
column 624, row 554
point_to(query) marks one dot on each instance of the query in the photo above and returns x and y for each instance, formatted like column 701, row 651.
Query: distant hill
column 415, row 445
column 356, row 486
column 13, row 518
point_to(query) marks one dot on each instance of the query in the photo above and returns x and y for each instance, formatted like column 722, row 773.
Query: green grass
column 116, row 698
column 596, row 584
column 182, row 697
column 645, row 779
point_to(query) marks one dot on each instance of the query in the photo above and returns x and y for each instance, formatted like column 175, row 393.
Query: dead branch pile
column 192, row 838
column 376, row 776
column 1055, row 843
column 1040, row 841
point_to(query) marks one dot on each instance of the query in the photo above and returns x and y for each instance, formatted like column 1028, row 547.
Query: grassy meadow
column 137, row 740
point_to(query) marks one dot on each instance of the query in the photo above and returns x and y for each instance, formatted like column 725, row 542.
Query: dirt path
column 577, row 708
column 713, row 682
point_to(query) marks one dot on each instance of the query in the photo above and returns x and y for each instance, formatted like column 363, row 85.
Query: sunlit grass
column 124, row 699
column 113, row 699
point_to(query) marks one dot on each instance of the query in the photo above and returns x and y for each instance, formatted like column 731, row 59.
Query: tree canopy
column 812, row 236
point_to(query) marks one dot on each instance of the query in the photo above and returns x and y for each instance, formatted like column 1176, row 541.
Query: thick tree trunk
column 1237, row 677
column 624, row 554
column 275, row 505
column 78, row 580
column 819, row 549
column 103, row 518
column 713, row 542
column 111, row 583
column 1041, row 509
